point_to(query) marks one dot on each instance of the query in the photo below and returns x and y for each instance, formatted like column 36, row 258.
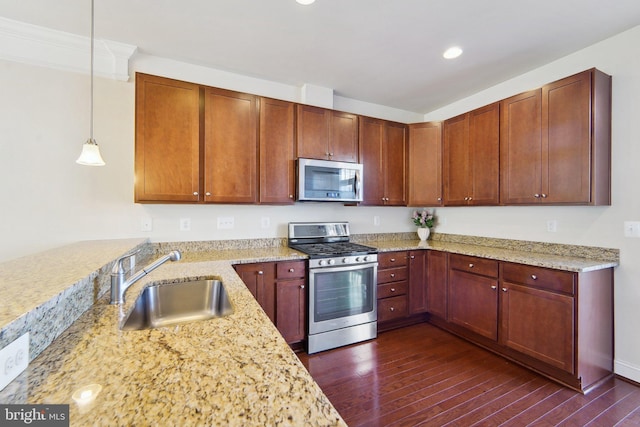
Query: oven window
column 340, row 294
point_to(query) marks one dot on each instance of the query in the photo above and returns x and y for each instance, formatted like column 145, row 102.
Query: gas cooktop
column 325, row 239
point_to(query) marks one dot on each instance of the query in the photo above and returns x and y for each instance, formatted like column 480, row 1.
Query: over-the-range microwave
column 329, row 181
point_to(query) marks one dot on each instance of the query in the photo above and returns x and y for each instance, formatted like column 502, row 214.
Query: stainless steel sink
column 173, row 303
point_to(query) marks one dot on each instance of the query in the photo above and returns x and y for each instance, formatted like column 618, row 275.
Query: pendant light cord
column 91, row 71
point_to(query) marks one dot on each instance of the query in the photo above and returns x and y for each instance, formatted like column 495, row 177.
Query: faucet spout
column 118, row 283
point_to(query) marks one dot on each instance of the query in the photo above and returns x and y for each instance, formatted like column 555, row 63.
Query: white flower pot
column 423, row 233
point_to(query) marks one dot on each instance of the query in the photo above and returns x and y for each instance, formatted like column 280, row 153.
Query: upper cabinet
column 167, row 150
column 383, row 155
column 230, row 146
column 471, row 157
column 326, row 134
column 424, row 174
column 277, row 151
column 555, row 143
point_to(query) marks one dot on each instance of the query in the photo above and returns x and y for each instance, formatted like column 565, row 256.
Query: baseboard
column 627, row 370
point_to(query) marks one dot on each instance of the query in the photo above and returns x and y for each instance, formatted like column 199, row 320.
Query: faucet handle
column 118, row 268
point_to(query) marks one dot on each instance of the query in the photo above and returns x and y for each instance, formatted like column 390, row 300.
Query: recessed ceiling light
column 452, row 52
column 305, row 2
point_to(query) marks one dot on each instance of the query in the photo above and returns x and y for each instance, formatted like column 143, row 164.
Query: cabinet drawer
column 392, row 275
column 543, row 278
column 475, row 265
column 391, row 259
column 290, row 270
column 392, row 308
column 392, row 290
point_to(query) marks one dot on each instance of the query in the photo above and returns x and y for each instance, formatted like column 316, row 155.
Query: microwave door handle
column 356, row 184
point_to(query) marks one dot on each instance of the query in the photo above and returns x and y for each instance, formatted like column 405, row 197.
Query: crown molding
column 31, row 44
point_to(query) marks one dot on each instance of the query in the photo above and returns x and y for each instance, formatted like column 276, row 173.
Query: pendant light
column 90, row 155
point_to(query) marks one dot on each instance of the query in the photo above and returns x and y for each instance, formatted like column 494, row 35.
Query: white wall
column 48, row 200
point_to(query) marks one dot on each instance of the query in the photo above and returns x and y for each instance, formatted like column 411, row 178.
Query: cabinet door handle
column 207, row 194
column 393, row 275
column 534, row 277
column 301, row 286
column 537, row 196
column 391, row 309
column 392, row 260
column 439, row 199
column 291, row 196
column 260, row 272
column 412, row 257
column 393, row 289
column 544, row 196
column 195, row 193
column 504, row 289
column 470, row 265
column 494, row 287
column 291, row 270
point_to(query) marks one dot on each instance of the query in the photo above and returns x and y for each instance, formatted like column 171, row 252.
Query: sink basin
column 173, row 303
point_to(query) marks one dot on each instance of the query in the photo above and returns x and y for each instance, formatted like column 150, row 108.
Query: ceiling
column 386, row 52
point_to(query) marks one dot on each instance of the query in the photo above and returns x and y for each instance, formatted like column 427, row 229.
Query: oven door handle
column 343, row 268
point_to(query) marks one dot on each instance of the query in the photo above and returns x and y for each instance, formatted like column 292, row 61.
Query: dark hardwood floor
column 421, row 375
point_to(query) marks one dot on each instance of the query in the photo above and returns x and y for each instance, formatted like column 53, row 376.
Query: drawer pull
column 393, row 274
column 291, row 270
column 393, row 289
column 392, row 260
column 261, row 272
column 504, row 289
column 470, row 265
column 301, row 286
column 391, row 309
column 494, row 287
column 534, row 277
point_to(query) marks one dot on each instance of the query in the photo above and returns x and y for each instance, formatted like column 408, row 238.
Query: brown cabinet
column 167, row 147
column 230, row 147
column 424, row 168
column 555, row 143
column 471, row 157
column 260, row 280
column 392, row 288
column 291, row 306
column 383, row 155
column 326, row 134
column 277, row 151
column 437, row 279
column 418, row 302
column 473, row 295
column 280, row 289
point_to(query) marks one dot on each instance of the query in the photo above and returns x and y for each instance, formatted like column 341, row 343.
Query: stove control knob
column 345, row 260
column 357, row 259
column 322, row 262
column 365, row 259
column 332, row 261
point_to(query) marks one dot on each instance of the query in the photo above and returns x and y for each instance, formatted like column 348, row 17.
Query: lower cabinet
column 437, row 265
column 280, row 289
column 558, row 323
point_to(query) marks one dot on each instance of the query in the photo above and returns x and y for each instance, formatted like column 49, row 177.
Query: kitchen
column 75, row 203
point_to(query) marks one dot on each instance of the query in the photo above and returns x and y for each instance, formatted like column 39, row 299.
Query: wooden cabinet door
column 424, row 168
column 521, row 148
column 473, row 303
column 566, row 140
column 372, row 136
column 167, row 147
column 538, row 323
column 456, row 169
column 484, row 155
column 260, row 280
column 277, row 151
column 291, row 309
column 395, row 160
column 418, row 282
column 343, row 137
column 312, row 132
column 437, row 278
column 231, row 147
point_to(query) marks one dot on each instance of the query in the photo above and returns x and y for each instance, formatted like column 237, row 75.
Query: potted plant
column 424, row 221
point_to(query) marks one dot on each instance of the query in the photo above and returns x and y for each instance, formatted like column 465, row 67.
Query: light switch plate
column 225, row 222
column 14, row 359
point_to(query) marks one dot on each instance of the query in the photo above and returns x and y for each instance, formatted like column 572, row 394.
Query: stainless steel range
column 342, row 284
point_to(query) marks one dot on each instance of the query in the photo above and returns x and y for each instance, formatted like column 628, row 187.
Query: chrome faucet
column 118, row 283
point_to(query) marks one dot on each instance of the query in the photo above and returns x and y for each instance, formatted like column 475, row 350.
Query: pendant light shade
column 90, row 155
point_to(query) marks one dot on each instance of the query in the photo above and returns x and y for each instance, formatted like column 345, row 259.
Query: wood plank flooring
column 423, row 376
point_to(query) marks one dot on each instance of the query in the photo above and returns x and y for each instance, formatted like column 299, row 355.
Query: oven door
column 343, row 296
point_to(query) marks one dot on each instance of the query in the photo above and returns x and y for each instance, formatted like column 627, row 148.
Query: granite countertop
column 235, row 370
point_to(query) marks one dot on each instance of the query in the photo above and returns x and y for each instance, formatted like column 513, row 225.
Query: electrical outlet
column 14, row 359
column 552, row 226
column 225, row 222
column 265, row 222
column 631, row 229
column 146, row 224
column 185, row 224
